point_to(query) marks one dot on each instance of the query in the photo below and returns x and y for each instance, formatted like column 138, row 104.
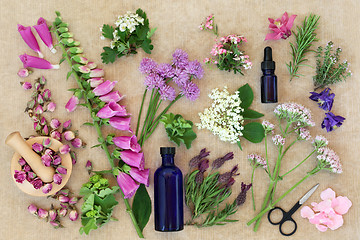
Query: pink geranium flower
column 281, row 27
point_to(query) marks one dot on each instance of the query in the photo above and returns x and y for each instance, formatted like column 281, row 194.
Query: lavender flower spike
column 220, row 161
column 35, row 62
column 195, row 160
column 43, row 30
column 29, row 39
column 240, row 199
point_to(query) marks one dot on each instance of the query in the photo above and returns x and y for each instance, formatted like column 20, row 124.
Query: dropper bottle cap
column 268, row 63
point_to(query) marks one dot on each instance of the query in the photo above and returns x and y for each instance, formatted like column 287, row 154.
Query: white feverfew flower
column 122, row 27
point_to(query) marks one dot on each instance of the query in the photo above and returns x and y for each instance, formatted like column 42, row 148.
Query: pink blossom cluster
column 232, row 38
column 268, row 126
column 209, row 24
column 328, row 159
column 278, row 140
column 218, row 49
column 319, row 142
column 257, row 160
column 294, row 112
column 304, row 134
column 328, row 213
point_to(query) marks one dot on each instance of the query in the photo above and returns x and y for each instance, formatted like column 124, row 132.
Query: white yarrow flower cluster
column 224, row 117
column 129, row 21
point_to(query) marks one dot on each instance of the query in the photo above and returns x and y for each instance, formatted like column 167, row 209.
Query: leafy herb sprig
column 329, row 69
column 304, row 37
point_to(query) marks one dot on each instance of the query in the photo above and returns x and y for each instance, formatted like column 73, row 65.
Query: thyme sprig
column 304, row 37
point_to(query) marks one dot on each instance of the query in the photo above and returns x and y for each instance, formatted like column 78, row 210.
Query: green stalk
column 147, row 117
column 140, row 112
column 298, row 164
column 252, row 187
column 98, row 130
column 266, row 157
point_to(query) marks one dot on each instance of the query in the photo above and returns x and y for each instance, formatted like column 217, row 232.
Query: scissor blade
column 308, row 194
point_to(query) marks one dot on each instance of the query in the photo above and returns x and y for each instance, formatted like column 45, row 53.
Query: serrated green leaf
column 188, row 137
column 107, row 31
column 107, row 204
column 109, row 55
column 246, row 96
column 86, row 192
column 151, row 32
column 253, row 132
column 107, row 191
column 146, row 46
column 142, row 206
column 88, row 205
column 251, row 114
column 90, row 225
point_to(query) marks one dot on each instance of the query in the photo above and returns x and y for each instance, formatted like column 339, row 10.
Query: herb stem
column 140, row 112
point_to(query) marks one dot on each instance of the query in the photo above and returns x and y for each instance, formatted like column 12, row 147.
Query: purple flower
column 204, row 165
column 42, row 213
column 181, row 78
column 126, row 142
column 127, row 184
column 140, row 176
column 153, row 80
column 64, row 149
column 73, row 157
column 133, row 159
column 43, row 30
column 57, row 178
column 88, row 166
column 281, row 27
column 32, row 209
column 47, row 188
column 47, row 94
column 27, row 168
column 46, row 142
column 37, row 147
column 35, row 62
column 52, row 214
column 165, row 70
column 22, row 162
column 26, row 85
column 331, row 122
column 167, row 92
column 37, row 183
column 324, row 99
column 120, row 123
column 104, row 88
column 61, row 170
column 76, row 143
column 73, row 200
column 56, row 160
column 112, row 109
column 63, row 199
column 240, row 199
column 67, row 124
column 194, row 162
column 111, row 96
column 56, row 135
column 73, row 215
column 30, row 176
column 191, row 91
column 72, row 104
column 46, row 160
column 147, row 66
column 19, row 176
column 29, row 38
column 51, row 107
column 45, row 130
column 49, row 152
column 62, row 212
column 217, row 163
column 194, row 68
column 23, row 72
column 180, row 58
column 55, row 123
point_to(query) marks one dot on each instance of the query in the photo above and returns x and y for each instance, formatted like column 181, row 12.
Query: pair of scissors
column 287, row 215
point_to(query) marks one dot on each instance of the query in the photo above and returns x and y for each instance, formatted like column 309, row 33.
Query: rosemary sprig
column 304, row 38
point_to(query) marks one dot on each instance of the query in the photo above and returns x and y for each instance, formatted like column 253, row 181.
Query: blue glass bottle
column 168, row 194
column 269, row 92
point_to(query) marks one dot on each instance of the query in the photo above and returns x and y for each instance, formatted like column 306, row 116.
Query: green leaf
column 88, row 124
column 107, row 31
column 142, row 206
column 146, row 46
column 88, row 204
column 246, row 95
column 239, row 144
column 253, row 132
column 251, row 114
column 109, row 55
column 151, row 32
column 86, row 192
column 69, row 74
column 108, row 191
column 61, row 60
column 90, row 225
column 188, row 137
column 107, row 204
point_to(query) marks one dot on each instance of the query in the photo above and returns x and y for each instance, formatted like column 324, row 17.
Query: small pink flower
column 281, row 28
column 77, row 143
column 55, row 123
column 73, row 215
column 94, row 82
column 37, row 183
column 30, row 176
column 45, row 130
column 140, row 176
column 47, row 94
column 39, row 109
column 120, row 123
column 133, row 159
column 67, row 124
column 29, row 38
column 73, row 200
column 56, row 160
column 46, row 142
column 69, row 135
column 64, row 149
column 42, row 213
column 32, row 209
column 46, row 160
column 56, row 135
column 19, row 176
column 57, row 178
column 111, row 96
column 52, row 214
column 22, row 162
column 43, row 30
column 96, row 73
column 88, row 166
column 126, row 142
column 72, row 104
column 26, row 85
column 47, row 188
column 63, row 199
column 23, row 73
column 112, row 109
column 127, row 184
column 35, row 62
column 104, row 88
column 51, row 107
column 26, row 168
column 91, row 65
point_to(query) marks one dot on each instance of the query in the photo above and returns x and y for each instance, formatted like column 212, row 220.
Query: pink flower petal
column 323, row 206
column 29, row 38
column 336, row 221
column 43, row 30
column 72, row 104
column 273, row 36
column 104, row 88
column 327, row 194
column 35, row 62
column 317, row 218
column 341, row 204
column 290, row 22
column 321, row 228
column 307, row 212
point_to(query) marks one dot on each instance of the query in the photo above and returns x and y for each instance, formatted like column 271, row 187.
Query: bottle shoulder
column 168, row 169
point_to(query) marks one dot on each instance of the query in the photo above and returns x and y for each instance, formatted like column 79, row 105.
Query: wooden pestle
column 16, row 141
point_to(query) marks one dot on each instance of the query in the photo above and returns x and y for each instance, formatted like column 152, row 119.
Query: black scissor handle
column 281, row 220
column 293, row 231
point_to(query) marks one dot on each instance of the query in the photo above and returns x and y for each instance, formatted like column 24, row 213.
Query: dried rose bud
column 73, row 200
column 77, row 143
column 67, row 124
column 46, row 160
column 47, row 94
column 39, row 109
column 62, row 212
column 45, row 130
column 49, row 152
column 61, row 170
column 55, row 224
column 52, row 214
column 40, row 99
column 19, row 176
column 47, row 188
column 26, row 85
column 63, row 199
column 30, row 104
column 88, row 166
column 27, row 168
column 57, row 178
column 43, row 121
column 66, row 206
column 32, row 209
column 73, row 215
column 94, row 82
column 56, row 135
column 37, row 183
column 22, row 162
column 69, row 135
column 42, row 80
column 37, row 86
column 46, row 142
column 56, row 160
column 51, row 107
column 42, row 213
column 37, row 147
column 55, row 123
column 30, row 176
column 64, row 192
column 73, row 157
column 64, row 149
column 23, row 73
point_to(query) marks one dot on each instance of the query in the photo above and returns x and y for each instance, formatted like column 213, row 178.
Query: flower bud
column 56, row 135
column 64, row 192
column 19, row 176
column 55, row 224
column 42, row 213
column 37, row 126
column 43, row 121
column 73, row 200
column 94, row 82
column 30, row 104
column 91, row 65
column 88, row 166
column 64, row 149
column 37, row 147
column 55, row 123
column 57, row 180
column 23, row 73
column 49, row 152
column 77, row 143
column 47, row 188
column 73, row 157
column 67, row 124
column 74, row 50
column 61, row 170
column 51, row 107
column 46, row 160
column 42, row 80
column 40, row 99
column 37, row 86
column 22, row 162
column 26, row 85
column 27, row 168
column 56, row 160
column 73, row 215
column 39, row 109
column 45, row 130
column 37, row 183
column 96, row 73
column 63, row 199
column 81, row 68
column 63, row 29
column 66, row 35
column 30, row 176
column 46, row 142
column 80, row 59
column 32, row 209
column 47, row 94
column 52, row 214
column 62, row 212
column 69, row 135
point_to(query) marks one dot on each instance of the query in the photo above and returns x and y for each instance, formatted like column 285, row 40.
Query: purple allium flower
column 181, row 78
column 147, row 66
column 191, row 91
column 180, row 58
column 324, row 99
column 57, row 178
column 22, row 162
column 46, row 160
column 37, row 147
column 194, row 68
column 331, row 122
column 32, row 209
column 19, row 176
column 153, row 80
column 167, row 92
column 217, row 163
column 37, row 183
column 42, row 213
column 240, row 199
column 47, row 188
column 165, row 70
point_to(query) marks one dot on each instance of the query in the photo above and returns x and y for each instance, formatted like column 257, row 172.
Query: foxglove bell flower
column 57, row 178
column 126, row 142
column 120, row 123
column 111, row 96
column 43, row 30
column 324, row 99
column 69, row 135
column 64, row 149
column 51, row 107
column 32, row 209
column 26, row 85
column 133, row 159
column 127, row 184
column 23, row 73
column 73, row 215
column 96, row 73
column 47, row 188
column 332, row 122
column 42, row 213
column 112, row 109
column 94, row 82
column 19, row 176
column 104, row 88
column 281, row 27
column 29, row 38
column 140, row 176
column 35, row 62
column 72, row 104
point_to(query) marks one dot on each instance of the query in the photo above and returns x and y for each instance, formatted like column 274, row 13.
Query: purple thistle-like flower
column 167, row 92
column 180, row 58
column 217, row 163
column 331, row 122
column 191, row 91
column 194, row 68
column 153, row 80
column 195, row 160
column 324, row 99
column 240, row 199
column 147, row 66
column 181, row 78
column 165, row 70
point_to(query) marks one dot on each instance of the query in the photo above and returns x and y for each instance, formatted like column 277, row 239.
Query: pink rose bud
column 39, row 109
column 37, row 183
column 22, row 162
column 120, row 123
column 55, row 224
column 45, row 130
column 43, row 30
column 97, row 73
column 64, row 192
column 57, row 179
column 27, row 168
column 29, row 38
column 52, row 214
column 46, row 160
column 37, row 86
column 64, row 149
column 37, row 126
column 61, row 170
column 81, row 68
column 67, row 124
column 88, row 166
column 47, row 94
column 26, row 85
column 56, row 160
column 73, row 215
column 35, row 62
column 37, row 147
column 46, row 142
column 51, row 107
column 73, row 157
column 111, row 96
column 77, row 143
column 55, row 123
column 47, row 188
column 30, row 104
column 56, row 135
column 32, row 209
column 43, row 121
column 40, row 99
column 63, row 199
column 69, row 135
column 23, row 73
column 94, row 82
column 72, row 104
column 19, row 176
column 91, row 65
column 73, row 200
column 42, row 80
column 104, row 88
column 62, row 212
column 30, row 176
column 49, row 152
column 42, row 213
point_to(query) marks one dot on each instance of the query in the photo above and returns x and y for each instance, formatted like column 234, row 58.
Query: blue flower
column 331, row 122
column 324, row 99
